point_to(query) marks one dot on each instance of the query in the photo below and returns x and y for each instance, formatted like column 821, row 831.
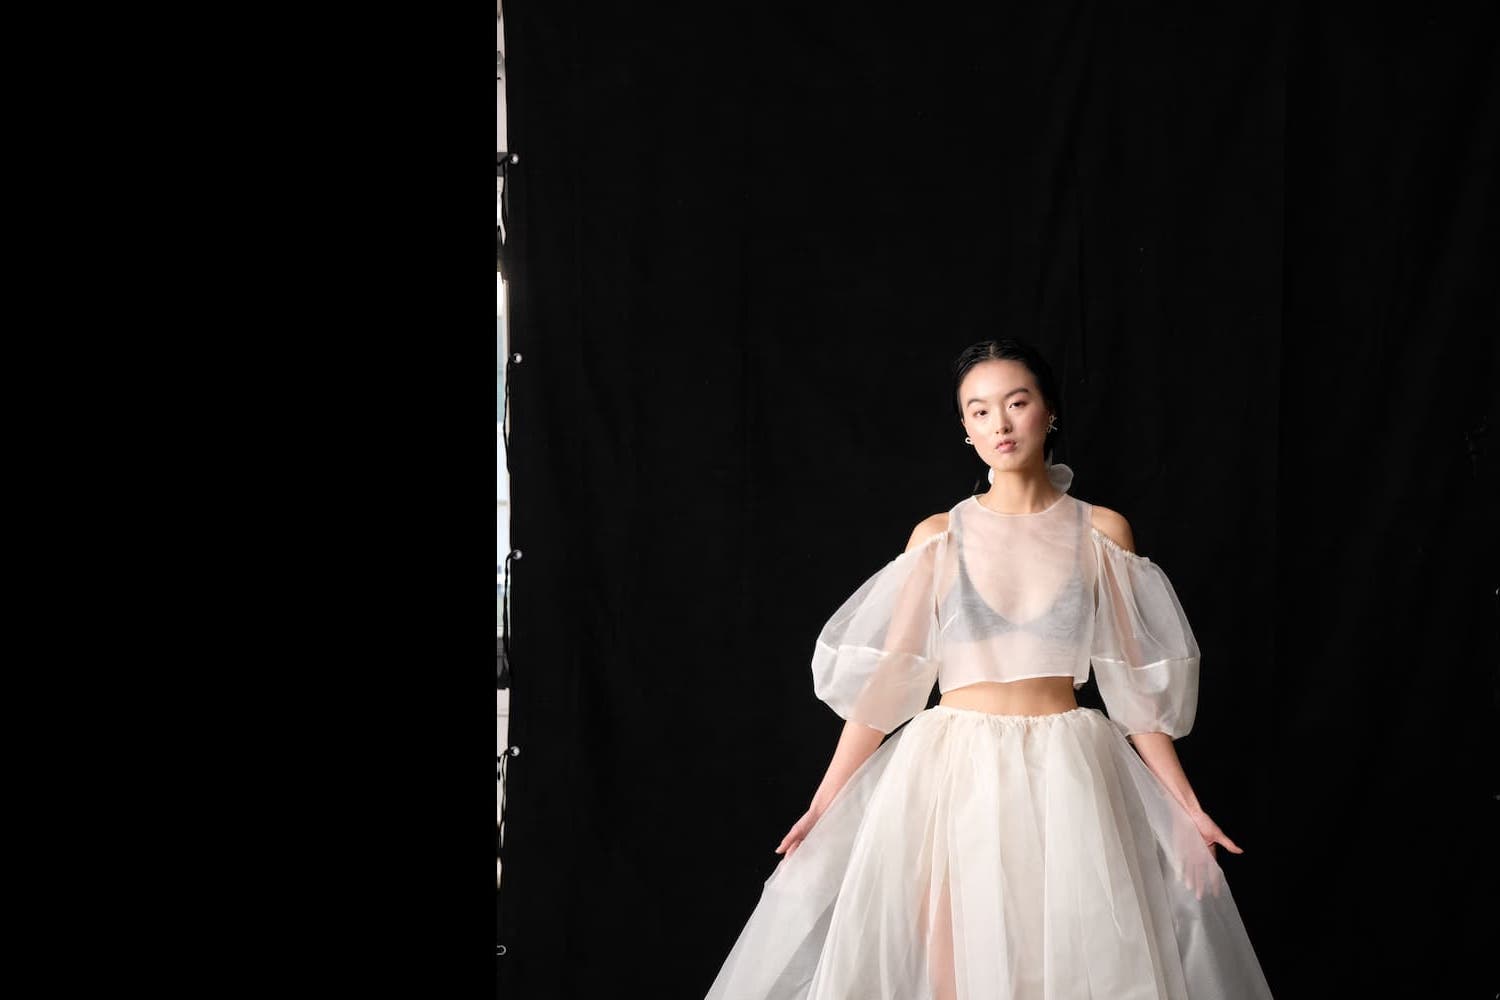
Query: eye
column 1019, row 402
column 978, row 413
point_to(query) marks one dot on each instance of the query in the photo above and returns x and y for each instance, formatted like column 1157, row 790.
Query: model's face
column 1002, row 403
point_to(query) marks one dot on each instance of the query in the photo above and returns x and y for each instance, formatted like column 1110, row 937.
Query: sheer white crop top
column 1002, row 597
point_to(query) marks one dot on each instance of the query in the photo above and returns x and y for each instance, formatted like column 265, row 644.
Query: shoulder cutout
column 926, row 529
column 1112, row 525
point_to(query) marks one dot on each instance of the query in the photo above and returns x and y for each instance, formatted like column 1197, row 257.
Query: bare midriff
column 1031, row 696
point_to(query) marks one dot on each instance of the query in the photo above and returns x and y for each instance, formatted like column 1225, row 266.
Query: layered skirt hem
column 977, row 856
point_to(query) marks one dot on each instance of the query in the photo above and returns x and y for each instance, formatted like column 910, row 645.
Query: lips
column 1006, row 446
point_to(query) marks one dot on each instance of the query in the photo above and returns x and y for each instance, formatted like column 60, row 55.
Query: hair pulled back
column 1011, row 349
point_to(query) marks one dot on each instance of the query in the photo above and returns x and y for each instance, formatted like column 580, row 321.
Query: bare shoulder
column 925, row 529
column 1112, row 525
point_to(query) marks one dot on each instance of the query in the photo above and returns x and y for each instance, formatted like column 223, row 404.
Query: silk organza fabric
column 876, row 659
column 993, row 857
column 999, row 857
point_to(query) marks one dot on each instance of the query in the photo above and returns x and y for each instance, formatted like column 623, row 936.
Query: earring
column 1052, row 426
column 968, row 440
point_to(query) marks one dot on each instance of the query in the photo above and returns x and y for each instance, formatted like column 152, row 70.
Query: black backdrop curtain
column 1258, row 247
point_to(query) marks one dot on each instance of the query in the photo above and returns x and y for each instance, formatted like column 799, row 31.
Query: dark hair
column 1010, row 349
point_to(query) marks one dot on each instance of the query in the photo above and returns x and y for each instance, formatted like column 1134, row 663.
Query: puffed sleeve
column 1144, row 654
column 877, row 658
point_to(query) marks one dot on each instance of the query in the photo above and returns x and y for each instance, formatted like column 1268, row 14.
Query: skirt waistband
column 1011, row 720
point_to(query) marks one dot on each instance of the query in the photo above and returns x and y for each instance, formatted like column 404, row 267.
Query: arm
column 1157, row 750
column 1158, row 753
column 857, row 741
column 1160, row 756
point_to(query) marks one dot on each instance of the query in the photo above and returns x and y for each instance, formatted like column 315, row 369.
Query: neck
column 1021, row 491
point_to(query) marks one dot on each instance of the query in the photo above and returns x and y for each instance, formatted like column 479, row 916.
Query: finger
column 1236, row 848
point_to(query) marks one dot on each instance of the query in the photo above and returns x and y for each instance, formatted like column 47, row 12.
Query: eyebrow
column 1003, row 398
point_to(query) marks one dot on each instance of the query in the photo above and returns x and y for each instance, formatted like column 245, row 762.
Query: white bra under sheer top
column 1003, row 597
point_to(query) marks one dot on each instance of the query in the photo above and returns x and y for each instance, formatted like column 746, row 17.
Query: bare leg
column 935, row 926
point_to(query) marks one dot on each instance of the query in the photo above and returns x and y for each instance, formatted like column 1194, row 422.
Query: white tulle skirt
column 997, row 857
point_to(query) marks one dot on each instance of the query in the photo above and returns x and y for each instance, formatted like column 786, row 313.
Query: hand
column 1198, row 868
column 800, row 829
column 1212, row 835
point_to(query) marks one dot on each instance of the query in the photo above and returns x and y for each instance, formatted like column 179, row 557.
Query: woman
column 1005, row 843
